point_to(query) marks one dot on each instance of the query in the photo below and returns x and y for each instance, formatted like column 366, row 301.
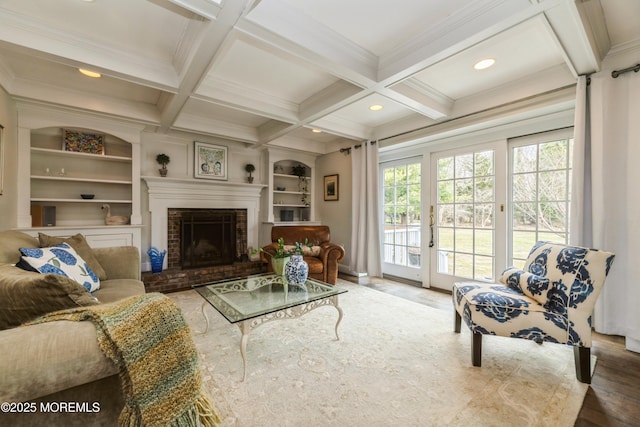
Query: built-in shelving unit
column 50, row 175
column 290, row 197
column 291, row 193
column 58, row 178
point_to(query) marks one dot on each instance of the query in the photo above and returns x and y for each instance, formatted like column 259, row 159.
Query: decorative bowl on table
column 87, row 196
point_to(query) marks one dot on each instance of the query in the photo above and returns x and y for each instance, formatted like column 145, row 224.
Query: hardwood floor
column 613, row 399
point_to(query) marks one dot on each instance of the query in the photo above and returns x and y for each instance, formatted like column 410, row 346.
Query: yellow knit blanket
column 148, row 339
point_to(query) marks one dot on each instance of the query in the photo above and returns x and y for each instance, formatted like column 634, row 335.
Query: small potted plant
column 249, row 168
column 280, row 258
column 163, row 160
column 300, row 171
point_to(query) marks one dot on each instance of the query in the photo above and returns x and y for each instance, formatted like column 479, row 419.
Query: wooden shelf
column 61, row 153
column 54, row 200
column 284, row 175
column 81, row 179
column 291, row 192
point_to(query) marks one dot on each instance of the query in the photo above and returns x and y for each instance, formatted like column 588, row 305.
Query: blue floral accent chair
column 551, row 300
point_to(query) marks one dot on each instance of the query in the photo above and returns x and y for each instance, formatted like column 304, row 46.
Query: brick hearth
column 176, row 279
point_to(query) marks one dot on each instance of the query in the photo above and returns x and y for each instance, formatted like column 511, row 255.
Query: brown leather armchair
column 324, row 265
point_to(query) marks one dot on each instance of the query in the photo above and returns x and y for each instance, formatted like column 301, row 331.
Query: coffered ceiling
column 267, row 72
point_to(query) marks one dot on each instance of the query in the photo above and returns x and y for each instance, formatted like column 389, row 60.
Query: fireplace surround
column 184, row 194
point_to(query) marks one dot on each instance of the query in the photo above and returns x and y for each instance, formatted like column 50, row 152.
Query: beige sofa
column 53, row 364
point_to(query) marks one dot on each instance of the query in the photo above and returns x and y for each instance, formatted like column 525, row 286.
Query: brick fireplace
column 221, row 232
column 170, row 200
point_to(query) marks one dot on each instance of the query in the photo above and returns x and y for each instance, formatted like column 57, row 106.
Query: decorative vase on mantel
column 296, row 271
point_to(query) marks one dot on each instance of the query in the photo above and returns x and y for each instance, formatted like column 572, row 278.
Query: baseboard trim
column 403, row 280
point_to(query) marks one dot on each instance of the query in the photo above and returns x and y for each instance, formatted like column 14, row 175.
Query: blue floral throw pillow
column 63, row 260
column 531, row 285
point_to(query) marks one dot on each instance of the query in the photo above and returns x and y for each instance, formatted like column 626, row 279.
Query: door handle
column 431, row 224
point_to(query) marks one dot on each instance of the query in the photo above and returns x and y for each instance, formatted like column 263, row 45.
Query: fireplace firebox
column 206, row 237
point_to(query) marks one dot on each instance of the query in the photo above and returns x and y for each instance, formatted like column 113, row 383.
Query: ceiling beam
column 212, row 39
column 205, row 8
column 278, row 24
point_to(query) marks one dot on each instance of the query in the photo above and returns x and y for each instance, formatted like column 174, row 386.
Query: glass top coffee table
column 254, row 300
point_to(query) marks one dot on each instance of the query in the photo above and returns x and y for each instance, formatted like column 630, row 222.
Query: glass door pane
column 464, row 208
column 540, row 195
column 402, row 208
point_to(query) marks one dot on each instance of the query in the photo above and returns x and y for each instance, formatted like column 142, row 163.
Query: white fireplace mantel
column 165, row 193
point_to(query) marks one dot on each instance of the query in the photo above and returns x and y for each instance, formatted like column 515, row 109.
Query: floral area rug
column 397, row 363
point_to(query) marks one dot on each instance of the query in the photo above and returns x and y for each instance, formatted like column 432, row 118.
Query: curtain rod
column 347, row 151
column 634, row 68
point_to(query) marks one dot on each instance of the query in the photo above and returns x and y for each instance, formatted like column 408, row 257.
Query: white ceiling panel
column 377, row 25
column 520, row 51
column 115, row 23
column 270, row 72
column 623, row 20
column 65, row 77
column 207, row 110
column 359, row 112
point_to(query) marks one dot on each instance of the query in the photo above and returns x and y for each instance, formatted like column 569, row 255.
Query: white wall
column 8, row 168
column 336, row 214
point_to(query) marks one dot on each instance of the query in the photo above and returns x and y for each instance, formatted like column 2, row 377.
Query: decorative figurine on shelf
column 249, row 168
column 163, row 160
column 115, row 219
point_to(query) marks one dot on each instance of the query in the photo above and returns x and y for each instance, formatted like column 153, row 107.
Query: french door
column 402, row 218
column 467, row 214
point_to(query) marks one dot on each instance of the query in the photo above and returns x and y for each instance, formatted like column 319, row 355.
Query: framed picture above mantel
column 210, row 161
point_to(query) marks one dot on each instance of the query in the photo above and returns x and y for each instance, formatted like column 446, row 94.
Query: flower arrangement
column 299, row 247
column 282, row 251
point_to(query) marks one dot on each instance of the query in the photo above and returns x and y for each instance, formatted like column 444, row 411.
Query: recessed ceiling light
column 316, row 131
column 484, row 63
column 376, row 107
column 90, row 73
